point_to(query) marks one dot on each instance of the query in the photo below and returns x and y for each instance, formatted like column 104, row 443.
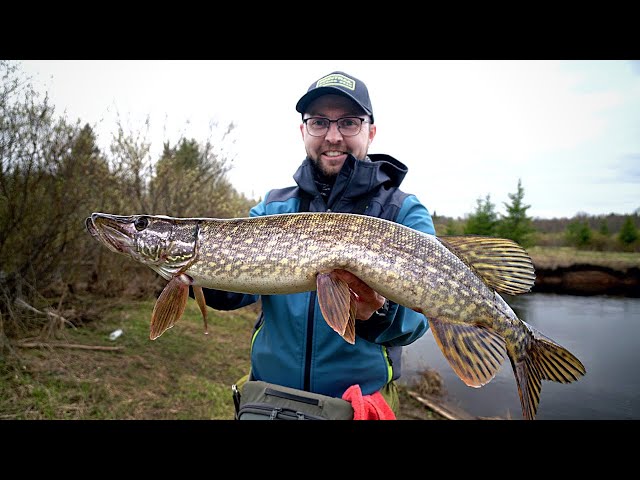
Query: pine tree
column 484, row 220
column 629, row 232
column 516, row 225
column 578, row 233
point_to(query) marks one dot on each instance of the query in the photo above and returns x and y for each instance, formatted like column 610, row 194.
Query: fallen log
column 448, row 411
column 65, row 345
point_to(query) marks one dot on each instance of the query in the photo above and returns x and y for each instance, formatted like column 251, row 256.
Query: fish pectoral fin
column 350, row 330
column 169, row 307
column 337, row 304
column 474, row 352
column 199, row 294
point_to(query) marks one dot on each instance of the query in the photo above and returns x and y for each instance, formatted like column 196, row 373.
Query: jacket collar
column 356, row 178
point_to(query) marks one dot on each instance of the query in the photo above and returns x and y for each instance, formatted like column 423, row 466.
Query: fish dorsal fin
column 501, row 263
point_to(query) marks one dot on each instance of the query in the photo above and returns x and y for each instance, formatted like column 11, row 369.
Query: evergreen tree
column 629, row 232
column 578, row 233
column 516, row 225
column 484, row 220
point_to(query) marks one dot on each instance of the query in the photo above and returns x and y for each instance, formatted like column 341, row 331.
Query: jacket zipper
column 277, row 413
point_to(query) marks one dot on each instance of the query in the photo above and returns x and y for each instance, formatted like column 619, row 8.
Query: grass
column 182, row 375
column 559, row 257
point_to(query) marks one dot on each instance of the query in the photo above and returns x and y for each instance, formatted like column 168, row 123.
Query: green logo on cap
column 336, row 80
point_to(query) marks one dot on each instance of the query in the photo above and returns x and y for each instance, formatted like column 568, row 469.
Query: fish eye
column 141, row 223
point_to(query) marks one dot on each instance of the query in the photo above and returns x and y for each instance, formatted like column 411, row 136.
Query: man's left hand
column 367, row 299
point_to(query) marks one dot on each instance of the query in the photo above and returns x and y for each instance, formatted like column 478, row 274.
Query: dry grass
column 562, row 257
column 184, row 374
column 428, row 382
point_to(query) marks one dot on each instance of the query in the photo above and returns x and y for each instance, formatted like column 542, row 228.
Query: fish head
column 168, row 245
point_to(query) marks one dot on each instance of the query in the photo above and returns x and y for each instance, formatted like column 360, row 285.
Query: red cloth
column 368, row 407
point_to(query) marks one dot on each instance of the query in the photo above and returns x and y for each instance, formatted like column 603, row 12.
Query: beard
column 321, row 173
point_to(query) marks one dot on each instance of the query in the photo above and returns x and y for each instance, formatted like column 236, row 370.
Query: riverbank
column 573, row 272
column 588, row 280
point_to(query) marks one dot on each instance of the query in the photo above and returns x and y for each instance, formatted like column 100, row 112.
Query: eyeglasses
column 347, row 126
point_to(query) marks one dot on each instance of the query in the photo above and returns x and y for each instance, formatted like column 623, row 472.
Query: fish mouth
column 91, row 228
column 110, row 232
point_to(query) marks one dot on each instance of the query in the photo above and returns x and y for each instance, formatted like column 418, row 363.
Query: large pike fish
column 455, row 281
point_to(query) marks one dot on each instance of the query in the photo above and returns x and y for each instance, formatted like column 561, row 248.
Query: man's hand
column 367, row 299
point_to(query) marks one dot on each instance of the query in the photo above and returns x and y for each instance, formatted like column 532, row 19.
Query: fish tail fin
column 545, row 360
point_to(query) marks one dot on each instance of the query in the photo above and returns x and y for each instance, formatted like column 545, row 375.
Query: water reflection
column 603, row 332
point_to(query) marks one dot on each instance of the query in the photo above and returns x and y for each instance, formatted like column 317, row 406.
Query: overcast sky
column 570, row 130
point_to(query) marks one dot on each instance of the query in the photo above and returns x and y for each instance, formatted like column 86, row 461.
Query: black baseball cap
column 338, row 83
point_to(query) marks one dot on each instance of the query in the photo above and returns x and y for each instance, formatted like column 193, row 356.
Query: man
column 292, row 345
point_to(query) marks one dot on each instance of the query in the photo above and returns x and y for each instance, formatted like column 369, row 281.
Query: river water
column 603, row 332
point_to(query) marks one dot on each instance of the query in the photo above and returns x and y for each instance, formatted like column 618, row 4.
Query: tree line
column 611, row 232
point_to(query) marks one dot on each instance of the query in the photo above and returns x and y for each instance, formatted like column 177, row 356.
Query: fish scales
column 455, row 281
column 283, row 254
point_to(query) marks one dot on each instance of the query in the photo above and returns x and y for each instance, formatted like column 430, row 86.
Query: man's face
column 330, row 151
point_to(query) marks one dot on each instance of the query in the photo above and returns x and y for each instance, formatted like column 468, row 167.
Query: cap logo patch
column 336, row 80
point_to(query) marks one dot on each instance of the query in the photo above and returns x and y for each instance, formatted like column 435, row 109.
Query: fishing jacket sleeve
column 221, row 300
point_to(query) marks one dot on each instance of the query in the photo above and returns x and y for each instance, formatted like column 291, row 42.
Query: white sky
column 569, row 129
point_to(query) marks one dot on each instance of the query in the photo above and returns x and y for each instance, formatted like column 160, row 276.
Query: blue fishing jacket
column 292, row 345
